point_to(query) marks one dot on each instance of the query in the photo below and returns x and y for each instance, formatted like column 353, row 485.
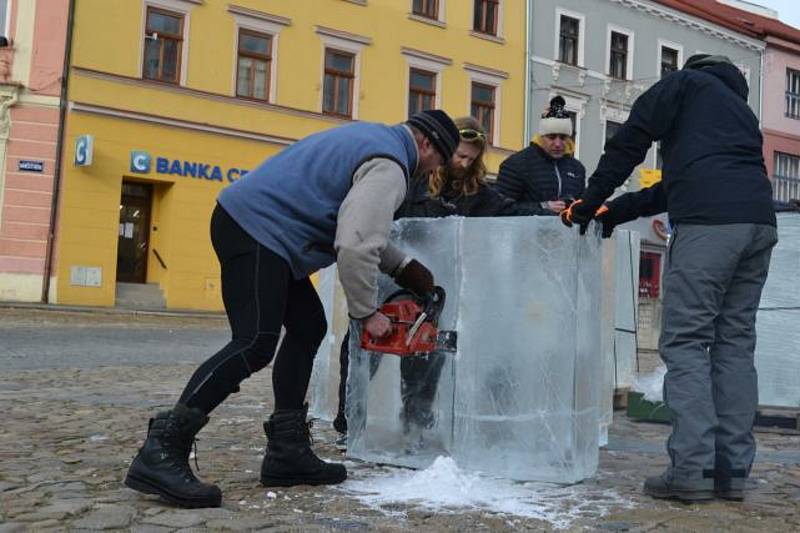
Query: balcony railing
column 785, row 189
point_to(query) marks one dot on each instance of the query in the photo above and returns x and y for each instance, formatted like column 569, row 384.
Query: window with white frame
column 486, row 16
column 163, row 42
column 787, row 166
column 424, row 79
column 256, row 52
column 619, row 54
column 793, row 93
column 482, row 106
column 341, row 71
column 485, row 98
column 569, row 40
column 670, row 58
column 253, row 65
column 618, row 65
column 337, row 86
column 426, row 8
column 421, row 90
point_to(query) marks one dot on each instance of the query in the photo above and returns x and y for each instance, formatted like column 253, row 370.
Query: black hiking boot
column 162, row 465
column 730, row 484
column 687, row 491
column 289, row 459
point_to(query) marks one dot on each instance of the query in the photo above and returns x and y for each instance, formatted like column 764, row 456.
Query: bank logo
column 84, row 148
column 140, row 162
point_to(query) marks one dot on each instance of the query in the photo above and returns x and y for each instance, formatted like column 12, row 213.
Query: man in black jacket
column 719, row 200
column 545, row 175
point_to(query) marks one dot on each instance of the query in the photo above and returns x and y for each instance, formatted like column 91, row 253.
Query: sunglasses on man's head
column 470, row 134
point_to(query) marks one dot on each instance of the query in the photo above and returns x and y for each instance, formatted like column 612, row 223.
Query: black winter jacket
column 485, row 203
column 530, row 176
column 712, row 150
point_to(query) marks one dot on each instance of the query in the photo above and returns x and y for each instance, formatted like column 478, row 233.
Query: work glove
column 416, row 278
column 608, row 218
column 580, row 213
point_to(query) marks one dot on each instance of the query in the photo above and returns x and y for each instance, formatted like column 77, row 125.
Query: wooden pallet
column 787, row 418
column 621, row 398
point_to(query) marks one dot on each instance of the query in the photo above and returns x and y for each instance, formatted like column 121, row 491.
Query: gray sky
column 788, row 10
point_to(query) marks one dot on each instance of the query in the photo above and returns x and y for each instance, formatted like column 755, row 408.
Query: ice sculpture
column 619, row 319
column 520, row 397
column 777, row 322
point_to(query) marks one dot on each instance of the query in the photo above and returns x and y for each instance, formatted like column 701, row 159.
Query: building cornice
column 488, row 71
column 344, row 35
column 427, row 56
column 196, row 93
column 782, row 134
column 259, row 15
column 677, row 17
column 783, row 44
column 81, row 107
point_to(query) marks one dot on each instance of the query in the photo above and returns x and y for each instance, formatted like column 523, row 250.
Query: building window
column 793, row 93
column 163, row 40
column 4, row 13
column 618, row 66
column 787, row 166
column 253, row 69
column 612, row 128
column 338, row 85
column 486, row 15
column 649, row 274
column 482, row 107
column 426, row 8
column 573, row 116
column 421, row 90
column 669, row 60
column 568, row 40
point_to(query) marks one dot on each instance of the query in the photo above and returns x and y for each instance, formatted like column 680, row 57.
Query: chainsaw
column 415, row 326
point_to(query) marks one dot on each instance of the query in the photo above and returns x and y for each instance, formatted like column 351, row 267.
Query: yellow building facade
column 171, row 100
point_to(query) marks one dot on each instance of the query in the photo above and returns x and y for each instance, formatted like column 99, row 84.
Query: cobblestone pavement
column 76, row 391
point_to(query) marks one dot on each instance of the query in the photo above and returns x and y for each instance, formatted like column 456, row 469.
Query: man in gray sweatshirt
column 330, row 197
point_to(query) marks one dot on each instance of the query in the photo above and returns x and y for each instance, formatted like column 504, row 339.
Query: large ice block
column 324, row 384
column 520, row 397
column 777, row 322
column 619, row 319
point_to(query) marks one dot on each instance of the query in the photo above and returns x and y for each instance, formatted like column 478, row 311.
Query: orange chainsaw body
column 404, row 338
column 415, row 325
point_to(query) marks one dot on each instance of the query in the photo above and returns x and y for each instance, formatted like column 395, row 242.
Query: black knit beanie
column 439, row 128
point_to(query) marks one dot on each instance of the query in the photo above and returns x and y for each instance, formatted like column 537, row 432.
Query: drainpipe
column 528, row 41
column 761, row 72
column 62, row 117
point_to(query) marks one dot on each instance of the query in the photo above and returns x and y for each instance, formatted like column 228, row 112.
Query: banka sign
column 143, row 163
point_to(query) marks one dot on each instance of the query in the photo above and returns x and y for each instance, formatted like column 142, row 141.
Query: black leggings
column 260, row 295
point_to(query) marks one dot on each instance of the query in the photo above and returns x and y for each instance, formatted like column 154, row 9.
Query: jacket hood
column 730, row 76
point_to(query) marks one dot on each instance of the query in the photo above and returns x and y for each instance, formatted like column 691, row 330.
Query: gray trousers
column 712, row 286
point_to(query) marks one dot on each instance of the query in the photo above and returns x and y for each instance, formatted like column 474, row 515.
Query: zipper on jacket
column 558, row 175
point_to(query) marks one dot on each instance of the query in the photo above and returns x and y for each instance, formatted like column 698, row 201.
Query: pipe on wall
column 57, row 169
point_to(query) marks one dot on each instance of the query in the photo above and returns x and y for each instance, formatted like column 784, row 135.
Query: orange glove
column 579, row 212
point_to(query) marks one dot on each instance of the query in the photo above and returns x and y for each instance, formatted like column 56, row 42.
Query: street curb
column 111, row 310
